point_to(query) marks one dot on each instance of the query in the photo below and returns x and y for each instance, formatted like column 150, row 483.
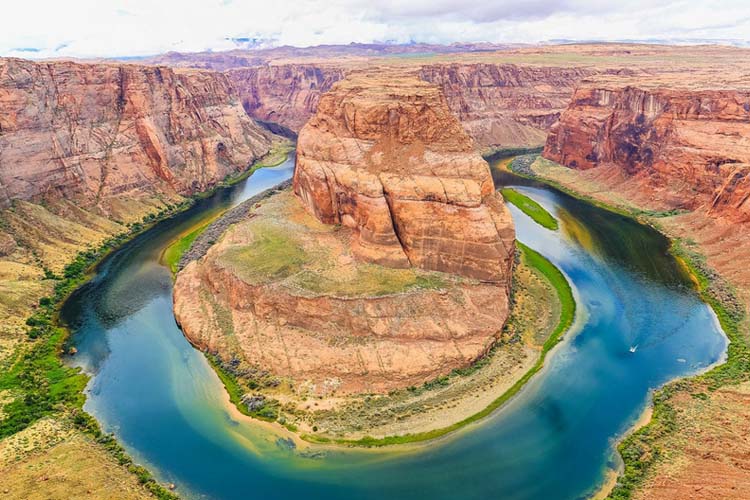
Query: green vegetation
column 530, row 208
column 371, row 280
column 270, row 410
column 173, row 253
column 642, row 450
column 499, row 153
column 40, row 383
column 567, row 315
column 43, row 384
column 276, row 156
column 271, row 255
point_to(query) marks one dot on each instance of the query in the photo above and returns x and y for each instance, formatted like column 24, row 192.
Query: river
column 555, row 440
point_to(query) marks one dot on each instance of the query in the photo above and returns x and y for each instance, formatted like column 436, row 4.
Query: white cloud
column 98, row 28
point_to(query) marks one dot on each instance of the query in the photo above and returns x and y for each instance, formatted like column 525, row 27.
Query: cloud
column 101, row 28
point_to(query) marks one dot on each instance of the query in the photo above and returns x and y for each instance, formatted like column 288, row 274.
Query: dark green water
column 555, row 440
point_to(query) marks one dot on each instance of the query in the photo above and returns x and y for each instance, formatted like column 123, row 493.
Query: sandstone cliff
column 683, row 148
column 505, row 105
column 284, row 94
column 91, row 132
column 385, row 156
column 390, row 267
column 281, row 293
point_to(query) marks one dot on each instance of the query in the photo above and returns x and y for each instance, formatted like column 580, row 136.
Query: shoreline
column 634, row 471
column 567, row 318
column 54, row 336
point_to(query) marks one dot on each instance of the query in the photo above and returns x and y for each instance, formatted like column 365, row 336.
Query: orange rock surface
column 385, row 157
column 325, row 321
column 399, row 251
column 96, row 131
column 684, row 148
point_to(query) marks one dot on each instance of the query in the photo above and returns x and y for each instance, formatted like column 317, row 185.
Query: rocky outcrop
column 385, row 157
column 684, row 148
column 389, row 266
column 91, row 132
column 316, row 317
column 505, row 105
column 284, row 94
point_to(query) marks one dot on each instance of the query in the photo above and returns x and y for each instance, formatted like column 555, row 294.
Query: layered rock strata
column 95, row 131
column 281, row 293
column 390, row 267
column 284, row 94
column 505, row 105
column 681, row 148
column 386, row 157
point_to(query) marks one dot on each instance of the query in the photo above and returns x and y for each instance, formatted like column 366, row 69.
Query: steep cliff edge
column 284, row 94
column 385, row 156
column 86, row 149
column 390, row 267
column 91, row 132
column 674, row 148
column 505, row 105
column 499, row 105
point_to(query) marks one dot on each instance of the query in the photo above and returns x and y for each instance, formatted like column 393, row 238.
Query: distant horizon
column 28, row 53
column 87, row 29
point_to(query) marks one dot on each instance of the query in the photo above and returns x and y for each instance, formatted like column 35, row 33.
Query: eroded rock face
column 505, row 104
column 94, row 131
column 284, row 94
column 324, row 320
column 385, row 156
column 687, row 148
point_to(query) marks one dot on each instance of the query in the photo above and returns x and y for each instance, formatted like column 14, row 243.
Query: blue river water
column 639, row 325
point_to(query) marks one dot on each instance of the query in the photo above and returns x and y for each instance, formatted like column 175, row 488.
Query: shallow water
column 554, row 440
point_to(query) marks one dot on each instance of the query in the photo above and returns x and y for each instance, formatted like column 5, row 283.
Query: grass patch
column 173, row 253
column 42, row 385
column 271, row 255
column 643, row 449
column 530, row 208
column 371, row 280
column 567, row 315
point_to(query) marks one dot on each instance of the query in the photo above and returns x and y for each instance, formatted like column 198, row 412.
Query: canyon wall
column 284, row 94
column 385, row 156
column 684, row 148
column 499, row 105
column 390, row 264
column 94, row 131
column 505, row 105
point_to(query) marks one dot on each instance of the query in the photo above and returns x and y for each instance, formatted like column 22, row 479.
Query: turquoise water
column 554, row 440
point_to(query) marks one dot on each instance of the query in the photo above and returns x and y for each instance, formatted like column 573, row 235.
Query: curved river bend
column 554, row 440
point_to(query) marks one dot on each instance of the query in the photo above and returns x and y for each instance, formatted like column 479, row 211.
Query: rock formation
column 684, row 147
column 308, row 312
column 285, row 94
column 385, row 157
column 95, row 131
column 390, row 267
column 505, row 104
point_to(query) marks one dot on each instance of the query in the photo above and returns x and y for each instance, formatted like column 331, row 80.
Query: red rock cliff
column 91, row 131
column 385, row 156
column 284, row 94
column 689, row 147
column 504, row 104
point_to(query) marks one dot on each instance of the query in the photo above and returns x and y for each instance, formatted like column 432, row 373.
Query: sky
column 118, row 28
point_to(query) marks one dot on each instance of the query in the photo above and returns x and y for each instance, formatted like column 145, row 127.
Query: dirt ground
column 50, row 460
